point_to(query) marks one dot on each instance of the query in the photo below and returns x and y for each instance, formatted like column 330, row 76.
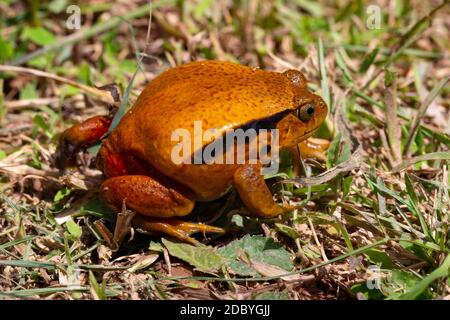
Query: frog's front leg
column 314, row 148
column 156, row 204
column 310, row 148
column 254, row 192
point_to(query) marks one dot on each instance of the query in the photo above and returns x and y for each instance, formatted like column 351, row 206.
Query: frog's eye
column 306, row 112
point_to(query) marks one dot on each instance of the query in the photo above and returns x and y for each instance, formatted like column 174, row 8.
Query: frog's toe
column 175, row 228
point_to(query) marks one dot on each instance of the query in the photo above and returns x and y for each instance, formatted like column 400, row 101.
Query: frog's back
column 220, row 95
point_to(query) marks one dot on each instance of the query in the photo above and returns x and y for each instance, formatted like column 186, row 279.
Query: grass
column 372, row 221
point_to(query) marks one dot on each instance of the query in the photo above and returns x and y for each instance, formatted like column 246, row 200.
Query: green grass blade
column 88, row 33
column 425, row 157
column 422, row 109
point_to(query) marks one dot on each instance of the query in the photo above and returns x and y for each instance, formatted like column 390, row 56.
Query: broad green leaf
column 399, row 282
column 380, row 258
column 127, row 66
column 6, row 50
column 57, row 6
column 61, row 194
column 391, row 285
column 57, row 204
column 38, row 35
column 420, row 287
column 40, row 62
column 73, row 228
column 201, row 8
column 345, row 153
column 67, row 90
column 29, row 91
column 203, row 258
column 256, row 248
column 155, row 246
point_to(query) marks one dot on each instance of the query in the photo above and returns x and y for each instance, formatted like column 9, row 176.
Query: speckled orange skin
column 220, row 94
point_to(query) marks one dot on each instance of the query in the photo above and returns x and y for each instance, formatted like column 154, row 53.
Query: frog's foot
column 79, row 136
column 314, row 148
column 254, row 192
column 175, row 228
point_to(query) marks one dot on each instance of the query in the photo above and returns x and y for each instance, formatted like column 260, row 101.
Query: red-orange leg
column 157, row 205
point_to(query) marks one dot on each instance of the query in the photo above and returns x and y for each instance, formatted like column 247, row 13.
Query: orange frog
column 137, row 156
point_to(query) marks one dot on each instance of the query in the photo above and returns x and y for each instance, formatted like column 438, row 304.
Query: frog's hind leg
column 156, row 203
column 146, row 196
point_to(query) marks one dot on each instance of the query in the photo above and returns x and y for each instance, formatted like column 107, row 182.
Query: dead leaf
column 144, row 261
